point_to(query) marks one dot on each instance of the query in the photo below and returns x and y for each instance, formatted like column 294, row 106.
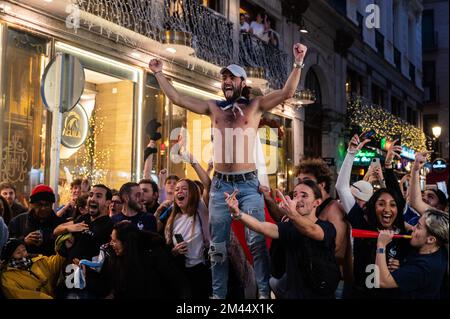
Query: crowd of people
column 261, row 27
column 226, row 235
column 145, row 243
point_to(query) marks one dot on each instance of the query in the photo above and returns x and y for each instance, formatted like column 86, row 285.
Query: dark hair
column 192, row 206
column 314, row 187
column 442, row 199
column 371, row 211
column 172, row 177
column 5, row 185
column 319, row 169
column 7, row 213
column 76, row 182
column 126, row 189
column 246, row 91
column 151, row 182
column 130, row 270
column 106, row 188
column 114, row 192
column 200, row 186
column 80, row 202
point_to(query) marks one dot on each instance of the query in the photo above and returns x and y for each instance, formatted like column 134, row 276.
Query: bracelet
column 380, row 250
column 236, row 217
column 299, row 65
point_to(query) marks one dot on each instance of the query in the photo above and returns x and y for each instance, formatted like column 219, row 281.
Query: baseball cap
column 441, row 197
column 362, row 190
column 236, row 70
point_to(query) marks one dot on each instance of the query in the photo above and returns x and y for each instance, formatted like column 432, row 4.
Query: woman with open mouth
column 188, row 235
column 383, row 211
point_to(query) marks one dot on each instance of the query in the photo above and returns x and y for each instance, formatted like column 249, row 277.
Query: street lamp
column 436, row 131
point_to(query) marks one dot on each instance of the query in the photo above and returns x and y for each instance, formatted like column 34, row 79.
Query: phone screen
column 179, row 238
column 367, row 135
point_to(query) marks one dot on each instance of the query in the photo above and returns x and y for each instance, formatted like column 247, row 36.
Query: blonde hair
column 436, row 222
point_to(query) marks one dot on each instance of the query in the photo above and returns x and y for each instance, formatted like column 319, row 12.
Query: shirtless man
column 237, row 114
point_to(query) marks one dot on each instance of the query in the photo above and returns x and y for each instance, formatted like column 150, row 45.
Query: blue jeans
column 250, row 202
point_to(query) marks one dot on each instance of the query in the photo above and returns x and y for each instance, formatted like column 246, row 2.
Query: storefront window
column 198, row 129
column 22, row 116
column 108, row 109
column 282, row 179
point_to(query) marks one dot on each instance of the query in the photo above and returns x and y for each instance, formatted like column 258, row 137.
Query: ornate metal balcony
column 211, row 33
column 254, row 52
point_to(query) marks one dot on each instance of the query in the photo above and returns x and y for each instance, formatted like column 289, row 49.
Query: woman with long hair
column 187, row 233
column 137, row 266
column 383, row 211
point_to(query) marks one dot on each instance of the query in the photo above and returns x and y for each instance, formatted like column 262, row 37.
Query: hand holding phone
column 375, row 162
column 179, row 238
column 367, row 135
column 398, row 138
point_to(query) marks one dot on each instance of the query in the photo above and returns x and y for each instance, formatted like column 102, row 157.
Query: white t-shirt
column 193, row 239
column 245, row 27
column 258, row 28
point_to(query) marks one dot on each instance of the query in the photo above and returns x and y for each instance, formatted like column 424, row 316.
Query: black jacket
column 20, row 226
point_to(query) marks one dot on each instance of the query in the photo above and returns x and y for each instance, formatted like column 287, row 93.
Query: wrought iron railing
column 254, row 52
column 212, row 33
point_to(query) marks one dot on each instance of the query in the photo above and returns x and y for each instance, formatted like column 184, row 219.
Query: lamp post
column 436, row 133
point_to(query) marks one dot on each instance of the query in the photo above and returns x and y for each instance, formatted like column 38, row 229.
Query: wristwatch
column 380, row 250
column 237, row 217
column 300, row 65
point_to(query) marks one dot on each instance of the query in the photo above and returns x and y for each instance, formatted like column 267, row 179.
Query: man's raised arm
column 276, row 97
column 187, row 102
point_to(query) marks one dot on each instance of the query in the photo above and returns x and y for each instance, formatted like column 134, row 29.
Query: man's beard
column 134, row 206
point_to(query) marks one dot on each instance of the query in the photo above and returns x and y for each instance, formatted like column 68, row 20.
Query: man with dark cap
column 26, row 276
column 36, row 226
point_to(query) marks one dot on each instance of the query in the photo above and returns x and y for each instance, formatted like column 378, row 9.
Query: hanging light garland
column 368, row 116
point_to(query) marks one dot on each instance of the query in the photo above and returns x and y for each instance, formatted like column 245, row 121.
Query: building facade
column 435, row 74
column 114, row 40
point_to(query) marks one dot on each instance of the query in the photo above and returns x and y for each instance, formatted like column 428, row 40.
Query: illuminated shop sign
column 364, row 157
column 439, row 165
column 408, row 153
column 75, row 127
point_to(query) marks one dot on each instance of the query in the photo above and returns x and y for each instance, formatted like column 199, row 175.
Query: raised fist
column 155, row 65
column 299, row 52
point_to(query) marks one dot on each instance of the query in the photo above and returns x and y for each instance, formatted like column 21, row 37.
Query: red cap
column 42, row 192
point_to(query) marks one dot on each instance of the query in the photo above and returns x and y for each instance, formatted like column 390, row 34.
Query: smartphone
column 367, row 135
column 179, row 238
column 375, row 162
column 398, row 138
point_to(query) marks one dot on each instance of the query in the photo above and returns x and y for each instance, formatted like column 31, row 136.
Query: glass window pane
column 106, row 155
column 22, row 118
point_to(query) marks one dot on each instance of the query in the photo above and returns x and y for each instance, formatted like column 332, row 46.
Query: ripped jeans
column 250, row 202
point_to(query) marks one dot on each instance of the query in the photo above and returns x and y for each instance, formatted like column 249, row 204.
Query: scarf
column 225, row 105
column 22, row 263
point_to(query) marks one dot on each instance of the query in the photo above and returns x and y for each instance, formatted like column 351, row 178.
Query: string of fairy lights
column 385, row 124
column 94, row 160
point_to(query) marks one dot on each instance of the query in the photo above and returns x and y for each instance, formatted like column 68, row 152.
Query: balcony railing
column 150, row 18
column 254, row 52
